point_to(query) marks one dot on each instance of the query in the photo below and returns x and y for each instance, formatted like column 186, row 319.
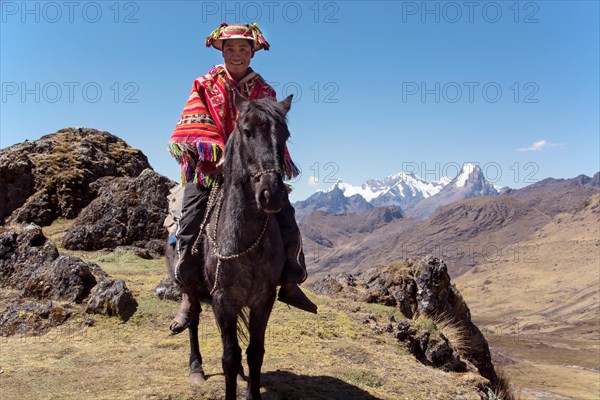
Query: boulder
column 126, row 212
column 22, row 254
column 22, row 316
column 112, row 297
column 66, row 278
column 167, row 289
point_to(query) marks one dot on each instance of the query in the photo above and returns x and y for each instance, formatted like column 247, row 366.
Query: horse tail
column 243, row 326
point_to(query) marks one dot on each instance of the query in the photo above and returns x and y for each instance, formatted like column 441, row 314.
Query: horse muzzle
column 270, row 193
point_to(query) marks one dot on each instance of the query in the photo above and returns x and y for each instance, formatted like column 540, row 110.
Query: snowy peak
column 399, row 189
column 466, row 172
column 407, row 191
column 470, row 182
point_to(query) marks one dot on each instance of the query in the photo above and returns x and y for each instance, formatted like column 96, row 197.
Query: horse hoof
column 197, row 377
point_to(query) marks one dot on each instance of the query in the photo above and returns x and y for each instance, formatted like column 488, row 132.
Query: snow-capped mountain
column 332, row 202
column 401, row 189
column 407, row 191
column 470, row 182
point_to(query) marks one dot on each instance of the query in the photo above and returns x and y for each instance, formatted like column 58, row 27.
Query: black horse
column 243, row 248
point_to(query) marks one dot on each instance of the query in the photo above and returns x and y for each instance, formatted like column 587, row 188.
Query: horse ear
column 287, row 102
column 239, row 100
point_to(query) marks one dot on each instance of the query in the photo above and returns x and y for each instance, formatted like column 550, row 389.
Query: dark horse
column 243, row 248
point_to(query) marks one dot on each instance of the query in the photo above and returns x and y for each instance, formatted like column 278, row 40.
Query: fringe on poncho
column 207, row 121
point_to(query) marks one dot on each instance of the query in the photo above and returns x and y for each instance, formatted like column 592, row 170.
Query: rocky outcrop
column 43, row 285
column 51, row 177
column 419, row 287
column 430, row 347
column 126, row 211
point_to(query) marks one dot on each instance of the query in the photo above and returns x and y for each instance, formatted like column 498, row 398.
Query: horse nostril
column 265, row 195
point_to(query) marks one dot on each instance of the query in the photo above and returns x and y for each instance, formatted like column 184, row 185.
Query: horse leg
column 259, row 317
column 196, row 371
column 232, row 353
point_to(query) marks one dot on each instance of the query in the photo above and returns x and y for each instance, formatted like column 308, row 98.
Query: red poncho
column 207, row 120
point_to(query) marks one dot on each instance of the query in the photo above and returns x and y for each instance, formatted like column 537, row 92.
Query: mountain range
column 411, row 194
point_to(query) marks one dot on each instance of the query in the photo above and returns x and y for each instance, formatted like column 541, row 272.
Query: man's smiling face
column 237, row 54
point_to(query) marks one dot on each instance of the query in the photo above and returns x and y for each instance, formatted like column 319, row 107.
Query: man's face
column 237, row 54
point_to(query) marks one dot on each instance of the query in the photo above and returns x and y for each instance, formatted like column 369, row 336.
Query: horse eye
column 247, row 132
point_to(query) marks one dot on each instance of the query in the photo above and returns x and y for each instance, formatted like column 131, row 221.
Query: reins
column 216, row 199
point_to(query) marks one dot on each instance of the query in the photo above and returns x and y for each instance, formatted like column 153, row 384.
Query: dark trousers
column 190, row 271
column 190, row 268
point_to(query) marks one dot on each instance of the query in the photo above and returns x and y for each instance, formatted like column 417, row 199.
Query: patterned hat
column 237, row 31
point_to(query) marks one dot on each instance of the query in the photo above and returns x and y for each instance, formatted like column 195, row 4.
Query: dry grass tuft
column 503, row 389
column 455, row 334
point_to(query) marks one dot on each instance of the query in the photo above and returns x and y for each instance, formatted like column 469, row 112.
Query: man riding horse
column 197, row 143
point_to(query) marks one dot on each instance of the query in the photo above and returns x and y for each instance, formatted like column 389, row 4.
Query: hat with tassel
column 237, row 31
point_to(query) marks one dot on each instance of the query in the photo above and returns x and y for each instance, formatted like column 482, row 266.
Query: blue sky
column 380, row 87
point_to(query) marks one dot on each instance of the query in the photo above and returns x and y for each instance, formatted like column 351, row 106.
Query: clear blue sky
column 380, row 87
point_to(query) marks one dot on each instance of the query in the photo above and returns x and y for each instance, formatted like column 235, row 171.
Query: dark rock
column 431, row 348
column 66, row 278
column 21, row 254
column 402, row 330
column 112, row 297
column 30, row 262
column 16, row 182
column 25, row 316
column 51, row 177
column 168, row 290
column 439, row 353
column 127, row 211
column 89, row 322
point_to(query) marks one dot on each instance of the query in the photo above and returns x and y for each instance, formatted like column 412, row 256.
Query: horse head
column 254, row 154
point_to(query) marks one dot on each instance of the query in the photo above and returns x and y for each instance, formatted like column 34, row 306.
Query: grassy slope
column 329, row 356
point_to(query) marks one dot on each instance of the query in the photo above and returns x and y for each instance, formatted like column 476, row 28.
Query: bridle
column 215, row 199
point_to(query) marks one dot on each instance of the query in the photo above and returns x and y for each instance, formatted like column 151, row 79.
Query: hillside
column 540, row 307
column 333, row 355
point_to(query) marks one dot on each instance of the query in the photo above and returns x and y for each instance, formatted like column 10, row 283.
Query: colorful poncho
column 207, row 121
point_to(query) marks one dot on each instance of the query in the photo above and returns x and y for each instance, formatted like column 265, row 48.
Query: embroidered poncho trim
column 207, row 121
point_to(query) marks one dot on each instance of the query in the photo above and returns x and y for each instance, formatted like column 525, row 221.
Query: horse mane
column 268, row 108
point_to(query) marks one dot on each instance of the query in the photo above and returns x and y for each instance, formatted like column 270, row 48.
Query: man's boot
column 188, row 310
column 294, row 270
